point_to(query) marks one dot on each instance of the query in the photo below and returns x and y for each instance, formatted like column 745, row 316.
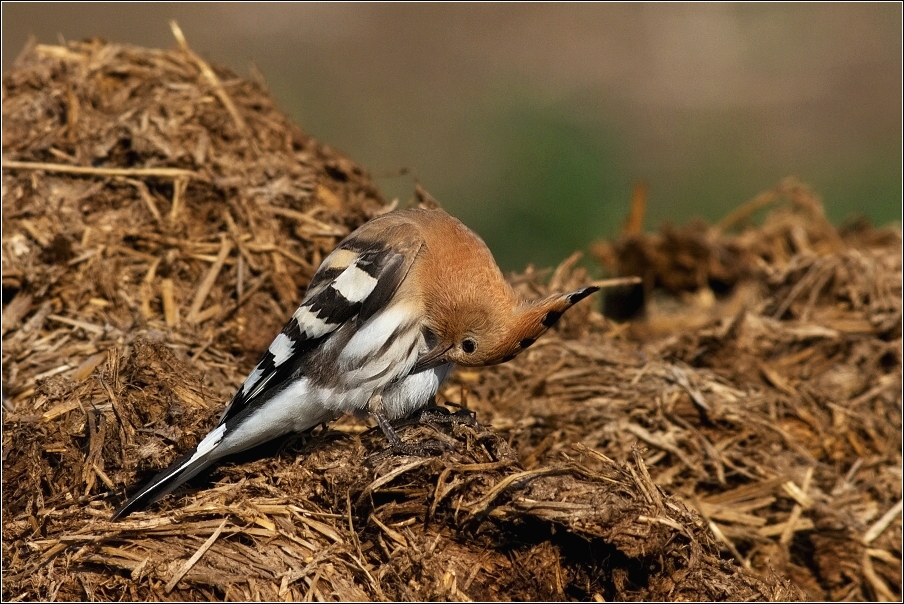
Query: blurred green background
column 532, row 122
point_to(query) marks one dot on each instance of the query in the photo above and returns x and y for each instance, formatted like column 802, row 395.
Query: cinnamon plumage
column 388, row 313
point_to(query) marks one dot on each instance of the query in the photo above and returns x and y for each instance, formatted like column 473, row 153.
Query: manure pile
column 161, row 218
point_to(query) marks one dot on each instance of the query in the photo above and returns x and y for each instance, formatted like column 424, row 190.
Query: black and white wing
column 356, row 280
column 353, row 283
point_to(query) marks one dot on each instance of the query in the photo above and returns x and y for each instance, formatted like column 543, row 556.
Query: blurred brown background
column 532, row 122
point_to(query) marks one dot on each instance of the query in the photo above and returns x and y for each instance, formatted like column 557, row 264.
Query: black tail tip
column 136, row 503
column 576, row 296
column 124, row 510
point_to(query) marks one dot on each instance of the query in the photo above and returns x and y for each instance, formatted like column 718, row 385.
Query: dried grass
column 161, row 219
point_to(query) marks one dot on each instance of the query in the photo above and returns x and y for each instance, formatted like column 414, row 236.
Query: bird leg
column 386, row 427
column 427, row 448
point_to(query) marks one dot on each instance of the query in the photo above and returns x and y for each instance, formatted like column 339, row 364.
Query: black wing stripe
column 293, row 330
column 331, row 307
column 392, row 270
column 323, row 277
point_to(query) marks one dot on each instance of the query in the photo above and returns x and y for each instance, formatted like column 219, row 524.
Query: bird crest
column 532, row 320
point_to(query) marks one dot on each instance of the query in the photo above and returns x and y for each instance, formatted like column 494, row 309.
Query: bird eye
column 469, row 345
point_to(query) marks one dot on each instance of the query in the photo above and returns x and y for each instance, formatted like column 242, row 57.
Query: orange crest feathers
column 531, row 322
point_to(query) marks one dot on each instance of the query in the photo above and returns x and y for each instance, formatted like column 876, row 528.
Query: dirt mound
column 160, row 221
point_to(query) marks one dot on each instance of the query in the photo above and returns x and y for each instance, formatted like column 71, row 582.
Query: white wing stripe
column 252, row 379
column 354, row 284
column 281, row 348
column 311, row 324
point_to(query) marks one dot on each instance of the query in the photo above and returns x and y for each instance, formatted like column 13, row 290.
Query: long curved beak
column 432, row 358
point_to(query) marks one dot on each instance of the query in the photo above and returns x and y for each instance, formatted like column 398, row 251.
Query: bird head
column 488, row 331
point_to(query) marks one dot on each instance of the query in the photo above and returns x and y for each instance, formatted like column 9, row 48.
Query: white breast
column 413, row 392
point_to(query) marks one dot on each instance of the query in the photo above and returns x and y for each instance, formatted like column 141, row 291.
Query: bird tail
column 183, row 469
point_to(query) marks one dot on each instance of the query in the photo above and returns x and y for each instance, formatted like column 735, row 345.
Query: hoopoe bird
column 388, row 313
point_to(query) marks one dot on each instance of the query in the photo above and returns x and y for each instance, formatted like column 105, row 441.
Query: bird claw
column 425, row 448
column 441, row 415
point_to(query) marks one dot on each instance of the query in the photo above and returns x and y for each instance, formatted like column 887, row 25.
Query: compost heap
column 160, row 222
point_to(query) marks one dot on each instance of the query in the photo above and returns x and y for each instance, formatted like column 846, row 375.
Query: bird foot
column 440, row 415
column 424, row 448
column 427, row 448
